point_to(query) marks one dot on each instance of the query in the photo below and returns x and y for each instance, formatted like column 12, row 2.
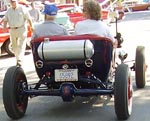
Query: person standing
column 17, row 17
column 49, row 27
column 34, row 13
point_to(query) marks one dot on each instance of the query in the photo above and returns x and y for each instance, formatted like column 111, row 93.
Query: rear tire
column 15, row 102
column 140, row 67
column 123, row 92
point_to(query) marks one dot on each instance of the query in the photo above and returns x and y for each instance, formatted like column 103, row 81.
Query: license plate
column 66, row 75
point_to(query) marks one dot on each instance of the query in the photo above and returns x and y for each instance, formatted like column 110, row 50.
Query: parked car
column 75, row 12
column 130, row 6
column 4, row 41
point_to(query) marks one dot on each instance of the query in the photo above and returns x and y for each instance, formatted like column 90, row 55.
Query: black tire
column 8, row 48
column 140, row 67
column 15, row 103
column 123, row 92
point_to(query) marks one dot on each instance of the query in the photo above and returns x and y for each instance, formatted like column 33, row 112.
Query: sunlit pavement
column 28, row 65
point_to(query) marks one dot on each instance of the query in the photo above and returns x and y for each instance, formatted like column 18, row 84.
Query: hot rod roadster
column 74, row 65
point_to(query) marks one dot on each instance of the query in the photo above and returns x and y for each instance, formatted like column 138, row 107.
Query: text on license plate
column 66, row 75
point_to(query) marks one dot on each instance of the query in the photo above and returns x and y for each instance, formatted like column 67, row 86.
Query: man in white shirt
column 17, row 17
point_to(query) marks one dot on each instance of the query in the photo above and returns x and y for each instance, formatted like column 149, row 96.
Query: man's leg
column 22, row 38
column 21, row 50
column 13, row 40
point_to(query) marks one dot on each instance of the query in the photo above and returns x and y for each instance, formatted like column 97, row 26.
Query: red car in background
column 75, row 12
column 135, row 5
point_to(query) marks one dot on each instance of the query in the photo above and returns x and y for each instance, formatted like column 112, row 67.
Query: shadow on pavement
column 5, row 55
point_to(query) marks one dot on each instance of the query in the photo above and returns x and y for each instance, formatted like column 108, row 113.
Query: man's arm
column 4, row 24
column 28, row 18
column 5, row 20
